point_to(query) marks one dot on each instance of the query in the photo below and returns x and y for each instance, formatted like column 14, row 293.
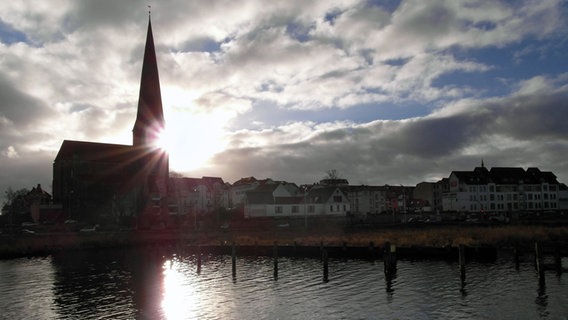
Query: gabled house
column 238, row 190
column 283, row 200
column 327, row 201
column 199, row 196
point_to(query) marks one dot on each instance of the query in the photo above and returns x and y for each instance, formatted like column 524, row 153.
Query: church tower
column 150, row 117
column 150, row 122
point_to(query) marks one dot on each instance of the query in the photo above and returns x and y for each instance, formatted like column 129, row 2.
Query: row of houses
column 497, row 190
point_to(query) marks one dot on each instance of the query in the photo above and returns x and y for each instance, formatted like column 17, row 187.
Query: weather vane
column 149, row 10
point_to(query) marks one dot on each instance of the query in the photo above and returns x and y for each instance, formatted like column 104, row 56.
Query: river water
column 148, row 283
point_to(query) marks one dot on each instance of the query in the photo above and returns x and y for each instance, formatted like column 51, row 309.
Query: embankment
column 430, row 240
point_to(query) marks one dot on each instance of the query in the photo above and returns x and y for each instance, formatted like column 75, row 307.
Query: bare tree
column 332, row 174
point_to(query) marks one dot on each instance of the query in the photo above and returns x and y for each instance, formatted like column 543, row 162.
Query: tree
column 332, row 174
column 17, row 205
column 333, row 178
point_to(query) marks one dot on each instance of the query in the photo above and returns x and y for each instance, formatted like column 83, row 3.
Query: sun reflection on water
column 180, row 297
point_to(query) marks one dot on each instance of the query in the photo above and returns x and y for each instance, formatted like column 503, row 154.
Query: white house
column 283, row 200
column 501, row 190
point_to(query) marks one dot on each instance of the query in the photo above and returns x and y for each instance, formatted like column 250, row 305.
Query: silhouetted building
column 103, row 182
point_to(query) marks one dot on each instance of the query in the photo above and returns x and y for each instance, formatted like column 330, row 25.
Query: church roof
column 98, row 152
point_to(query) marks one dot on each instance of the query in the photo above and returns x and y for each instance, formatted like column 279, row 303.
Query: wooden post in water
column 295, row 249
column 372, row 250
column 539, row 262
column 198, row 259
column 389, row 258
column 462, row 262
column 557, row 260
column 344, row 248
column 275, row 256
column 234, row 260
column 325, row 265
column 516, row 254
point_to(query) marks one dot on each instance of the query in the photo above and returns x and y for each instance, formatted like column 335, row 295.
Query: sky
column 383, row 92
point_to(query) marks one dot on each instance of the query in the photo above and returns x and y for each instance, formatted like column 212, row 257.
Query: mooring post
column 275, row 255
column 539, row 263
column 198, row 259
column 392, row 258
column 557, row 260
column 386, row 251
column 344, row 248
column 516, row 254
column 462, row 262
column 234, row 260
column 372, row 250
column 389, row 258
column 325, row 265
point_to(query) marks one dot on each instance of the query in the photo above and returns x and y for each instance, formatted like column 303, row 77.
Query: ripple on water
column 144, row 285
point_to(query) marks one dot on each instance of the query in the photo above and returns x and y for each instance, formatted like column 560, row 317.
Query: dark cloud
column 19, row 107
column 532, row 116
column 411, row 151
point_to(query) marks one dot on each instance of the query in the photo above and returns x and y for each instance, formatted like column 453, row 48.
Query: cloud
column 411, row 150
column 293, row 88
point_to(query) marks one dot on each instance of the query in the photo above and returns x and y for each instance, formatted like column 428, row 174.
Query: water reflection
column 542, row 299
column 160, row 283
column 87, row 282
column 180, row 296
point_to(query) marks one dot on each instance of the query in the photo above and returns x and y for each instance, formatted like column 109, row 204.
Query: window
column 295, row 209
column 337, row 198
column 311, row 209
column 331, row 208
column 278, row 209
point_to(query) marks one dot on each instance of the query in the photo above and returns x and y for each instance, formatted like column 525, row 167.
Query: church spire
column 150, row 117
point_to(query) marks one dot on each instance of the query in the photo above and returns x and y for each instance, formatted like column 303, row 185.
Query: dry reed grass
column 500, row 236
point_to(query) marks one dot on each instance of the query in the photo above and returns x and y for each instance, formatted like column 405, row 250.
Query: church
column 102, row 183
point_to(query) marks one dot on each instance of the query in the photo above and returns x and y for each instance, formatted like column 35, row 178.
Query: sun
column 165, row 140
column 192, row 139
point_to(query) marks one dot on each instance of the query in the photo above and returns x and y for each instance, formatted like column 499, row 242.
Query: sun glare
column 165, row 142
column 193, row 139
column 179, row 300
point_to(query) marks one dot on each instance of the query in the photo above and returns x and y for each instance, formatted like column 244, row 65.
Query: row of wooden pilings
column 389, row 255
column 389, row 258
